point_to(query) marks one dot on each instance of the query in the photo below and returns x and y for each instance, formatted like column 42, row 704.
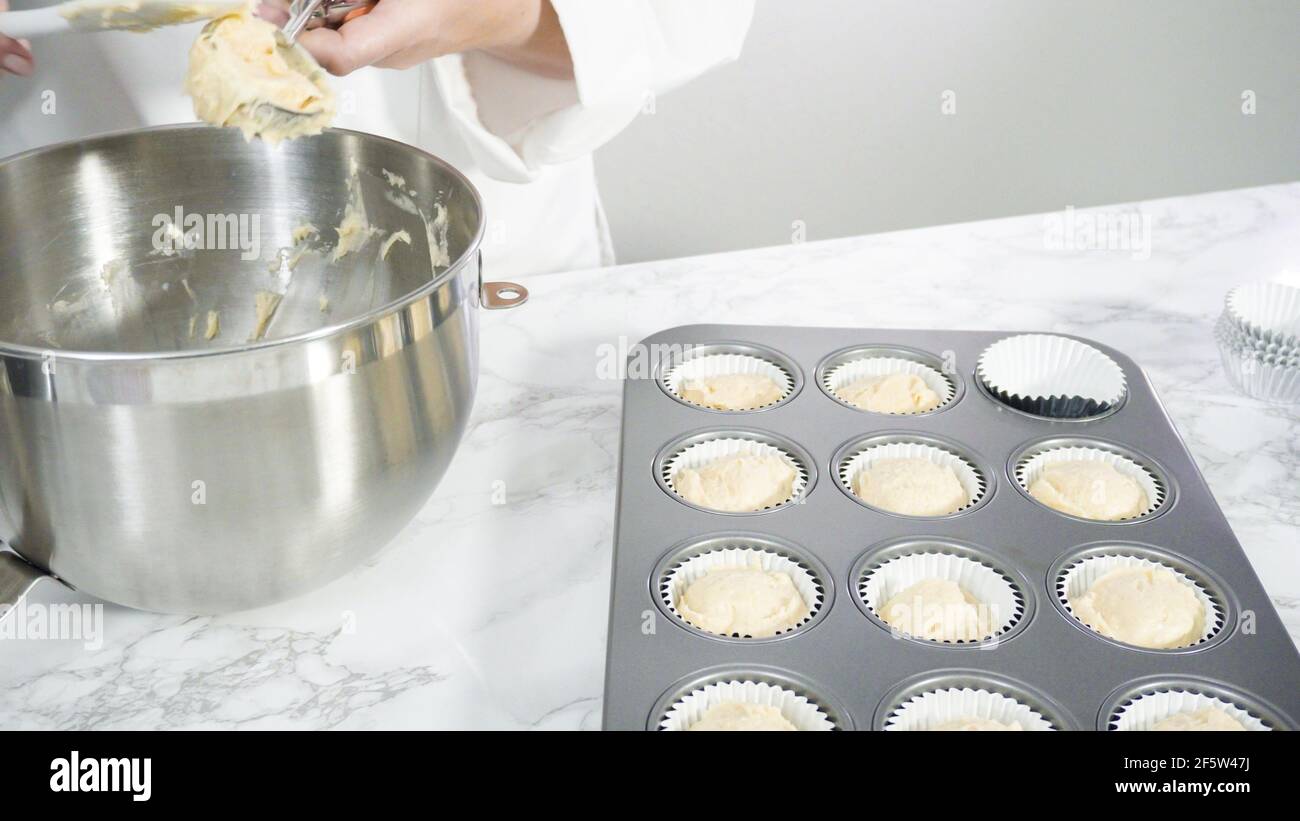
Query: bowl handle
column 17, row 578
column 497, row 296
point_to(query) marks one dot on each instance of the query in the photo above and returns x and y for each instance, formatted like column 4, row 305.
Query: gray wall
column 833, row 118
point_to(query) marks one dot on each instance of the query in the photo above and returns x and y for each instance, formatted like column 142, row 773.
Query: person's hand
column 15, row 55
column 405, row 33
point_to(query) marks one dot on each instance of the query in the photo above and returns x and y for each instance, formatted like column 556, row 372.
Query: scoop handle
column 34, row 23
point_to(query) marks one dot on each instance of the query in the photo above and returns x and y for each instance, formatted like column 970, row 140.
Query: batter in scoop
column 244, row 75
column 134, row 15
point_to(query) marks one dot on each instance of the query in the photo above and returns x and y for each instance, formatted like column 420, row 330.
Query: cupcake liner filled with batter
column 1051, row 376
column 911, row 478
column 735, row 475
column 745, row 705
column 1177, row 709
column 941, row 597
column 742, row 592
column 965, row 708
column 732, row 382
column 889, row 384
column 1090, row 483
column 1139, row 602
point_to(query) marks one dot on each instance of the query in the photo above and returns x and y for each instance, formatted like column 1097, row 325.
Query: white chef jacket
column 525, row 141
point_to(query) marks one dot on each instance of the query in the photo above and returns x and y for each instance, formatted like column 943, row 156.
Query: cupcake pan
column 842, row 660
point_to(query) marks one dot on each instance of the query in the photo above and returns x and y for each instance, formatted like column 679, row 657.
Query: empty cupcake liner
column 1145, row 711
column 1261, row 376
column 1226, row 331
column 993, row 590
column 937, row 707
column 702, row 453
column 726, row 364
column 679, row 578
column 1267, row 310
column 874, row 366
column 1246, row 354
column 797, row 709
column 1052, row 376
column 970, row 478
column 1030, row 468
column 1075, row 579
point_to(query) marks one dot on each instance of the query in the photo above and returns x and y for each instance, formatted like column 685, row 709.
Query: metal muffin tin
column 843, row 659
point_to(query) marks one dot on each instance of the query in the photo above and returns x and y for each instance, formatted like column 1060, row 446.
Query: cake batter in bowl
column 203, row 407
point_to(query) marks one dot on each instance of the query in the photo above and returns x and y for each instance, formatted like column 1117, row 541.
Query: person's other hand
column 405, row 33
column 15, row 55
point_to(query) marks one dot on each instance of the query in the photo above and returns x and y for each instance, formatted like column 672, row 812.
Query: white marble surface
column 493, row 615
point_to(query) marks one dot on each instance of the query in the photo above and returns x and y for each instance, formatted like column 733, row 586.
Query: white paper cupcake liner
column 938, row 707
column 1076, row 578
column 967, row 475
column 1227, row 332
column 876, row 366
column 1052, row 376
column 726, row 364
column 799, row 710
column 680, row 577
column 1147, row 710
column 1261, row 376
column 702, row 453
column 1269, row 310
column 1030, row 469
column 989, row 587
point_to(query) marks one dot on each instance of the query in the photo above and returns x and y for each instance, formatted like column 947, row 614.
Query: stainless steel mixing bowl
column 153, row 467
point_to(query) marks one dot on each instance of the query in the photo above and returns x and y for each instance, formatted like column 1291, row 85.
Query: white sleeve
column 515, row 123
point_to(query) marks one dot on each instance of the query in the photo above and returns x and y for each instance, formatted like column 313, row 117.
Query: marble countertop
column 489, row 610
